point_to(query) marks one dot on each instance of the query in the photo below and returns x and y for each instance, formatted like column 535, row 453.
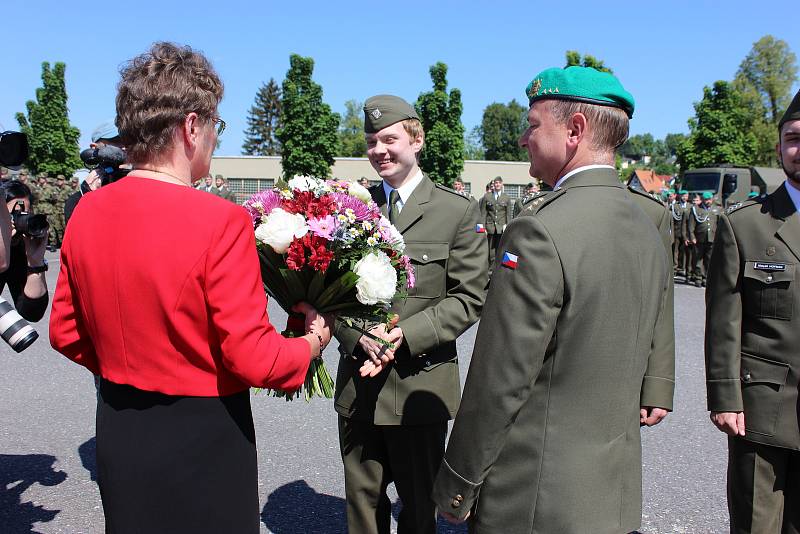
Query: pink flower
column 262, row 203
column 323, row 226
column 363, row 211
column 411, row 280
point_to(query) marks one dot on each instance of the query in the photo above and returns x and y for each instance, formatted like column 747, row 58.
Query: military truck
column 733, row 184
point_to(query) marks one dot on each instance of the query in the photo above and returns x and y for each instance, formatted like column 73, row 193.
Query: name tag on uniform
column 480, row 229
column 770, row 266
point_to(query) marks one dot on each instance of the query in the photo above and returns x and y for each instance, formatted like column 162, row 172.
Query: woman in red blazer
column 160, row 295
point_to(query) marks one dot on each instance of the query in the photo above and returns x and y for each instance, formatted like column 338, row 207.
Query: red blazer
column 160, row 289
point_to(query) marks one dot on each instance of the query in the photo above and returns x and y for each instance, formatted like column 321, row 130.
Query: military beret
column 752, row 194
column 683, row 192
column 381, row 111
column 707, row 195
column 581, row 84
column 792, row 112
column 671, row 191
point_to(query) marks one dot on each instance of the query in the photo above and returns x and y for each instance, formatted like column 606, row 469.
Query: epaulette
column 453, row 191
column 540, row 201
column 739, row 205
column 537, row 195
column 651, row 196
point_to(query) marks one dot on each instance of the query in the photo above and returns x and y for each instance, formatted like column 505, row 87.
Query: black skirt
column 176, row 464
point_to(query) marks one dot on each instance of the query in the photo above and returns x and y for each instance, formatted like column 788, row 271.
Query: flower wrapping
column 326, row 243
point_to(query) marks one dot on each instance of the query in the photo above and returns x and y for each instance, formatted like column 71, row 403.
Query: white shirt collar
column 404, row 190
column 794, row 194
column 576, row 171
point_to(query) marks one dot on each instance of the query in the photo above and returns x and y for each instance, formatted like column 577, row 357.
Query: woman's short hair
column 609, row 124
column 16, row 189
column 157, row 90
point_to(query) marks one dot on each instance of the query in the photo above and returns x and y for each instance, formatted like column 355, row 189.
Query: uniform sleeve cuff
column 419, row 333
column 454, row 494
column 346, row 336
column 657, row 392
column 725, row 395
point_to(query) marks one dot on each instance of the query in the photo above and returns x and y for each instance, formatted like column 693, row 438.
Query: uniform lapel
column 412, row 209
column 379, row 196
column 789, row 231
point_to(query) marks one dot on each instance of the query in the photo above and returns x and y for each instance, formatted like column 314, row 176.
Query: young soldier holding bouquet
column 394, row 400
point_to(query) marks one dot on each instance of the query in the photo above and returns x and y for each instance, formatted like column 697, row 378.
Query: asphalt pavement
column 47, row 464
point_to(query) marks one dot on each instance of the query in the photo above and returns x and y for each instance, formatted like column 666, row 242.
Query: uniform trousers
column 376, row 455
column 701, row 256
column 763, row 488
column 494, row 241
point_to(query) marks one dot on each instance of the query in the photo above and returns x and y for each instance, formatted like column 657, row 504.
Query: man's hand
column 453, row 519
column 651, row 416
column 732, row 423
column 384, row 355
column 35, row 248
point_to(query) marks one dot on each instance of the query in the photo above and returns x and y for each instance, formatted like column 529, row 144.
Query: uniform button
column 769, row 278
column 425, row 257
column 427, row 363
column 747, row 377
column 456, row 503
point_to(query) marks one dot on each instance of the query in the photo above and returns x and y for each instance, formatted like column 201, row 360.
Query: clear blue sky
column 663, row 52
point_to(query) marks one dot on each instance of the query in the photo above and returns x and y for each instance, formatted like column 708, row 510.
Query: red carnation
column 296, row 255
column 320, row 255
column 300, row 202
column 320, row 207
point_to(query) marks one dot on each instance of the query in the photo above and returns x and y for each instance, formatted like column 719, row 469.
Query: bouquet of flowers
column 326, row 243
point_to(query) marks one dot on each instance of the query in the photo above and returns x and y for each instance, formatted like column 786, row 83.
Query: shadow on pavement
column 295, row 508
column 442, row 526
column 88, row 454
column 18, row 472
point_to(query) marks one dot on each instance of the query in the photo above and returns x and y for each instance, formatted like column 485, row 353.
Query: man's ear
column 577, row 128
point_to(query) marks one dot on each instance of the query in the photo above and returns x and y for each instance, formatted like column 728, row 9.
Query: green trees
column 308, row 131
column 52, row 140
column 501, row 127
column 720, row 130
column 351, row 131
column 263, row 120
column 574, row 59
column 765, row 78
column 440, row 114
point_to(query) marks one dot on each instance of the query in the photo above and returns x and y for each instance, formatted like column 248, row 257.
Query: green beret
column 792, row 112
column 582, row 84
column 707, row 195
column 683, row 192
column 671, row 191
column 381, row 111
column 752, row 194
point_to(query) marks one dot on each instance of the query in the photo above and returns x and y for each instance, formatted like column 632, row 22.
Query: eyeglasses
column 220, row 124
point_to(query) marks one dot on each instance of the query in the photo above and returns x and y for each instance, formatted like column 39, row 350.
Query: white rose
column 360, row 192
column 377, row 279
column 302, row 183
column 279, row 228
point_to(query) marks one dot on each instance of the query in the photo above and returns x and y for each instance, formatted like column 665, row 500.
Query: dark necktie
column 394, row 212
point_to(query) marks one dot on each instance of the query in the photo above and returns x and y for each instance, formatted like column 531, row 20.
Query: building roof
column 648, row 180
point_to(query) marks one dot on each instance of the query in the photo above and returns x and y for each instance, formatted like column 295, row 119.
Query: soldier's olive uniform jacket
column 496, row 213
column 702, row 223
column 753, row 319
column 547, row 436
column 225, row 193
column 677, row 213
column 422, row 385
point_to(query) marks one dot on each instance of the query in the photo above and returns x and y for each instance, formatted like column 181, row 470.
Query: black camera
column 29, row 224
column 13, row 148
column 106, row 161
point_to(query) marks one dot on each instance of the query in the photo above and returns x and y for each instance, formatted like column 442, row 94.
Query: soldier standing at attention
column 496, row 211
column 684, row 263
column 458, row 187
column 702, row 226
column 530, row 191
column 394, row 404
column 689, row 253
column 61, row 193
column 548, row 432
column 752, row 340
column 676, row 211
column 221, row 189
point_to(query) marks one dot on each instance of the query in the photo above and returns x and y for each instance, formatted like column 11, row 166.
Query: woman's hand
column 318, row 325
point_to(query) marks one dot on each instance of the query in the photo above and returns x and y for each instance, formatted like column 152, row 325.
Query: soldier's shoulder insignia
column 540, row 200
column 739, row 205
column 535, row 198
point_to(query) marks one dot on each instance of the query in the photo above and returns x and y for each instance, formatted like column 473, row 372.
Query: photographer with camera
column 25, row 275
column 106, row 159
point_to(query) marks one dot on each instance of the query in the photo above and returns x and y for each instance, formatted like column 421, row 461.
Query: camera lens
column 14, row 329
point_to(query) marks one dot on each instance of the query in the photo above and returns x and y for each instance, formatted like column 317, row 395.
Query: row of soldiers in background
column 694, row 225
column 217, row 186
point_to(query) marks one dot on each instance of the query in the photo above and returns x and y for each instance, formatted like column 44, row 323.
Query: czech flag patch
column 480, row 229
column 510, row 260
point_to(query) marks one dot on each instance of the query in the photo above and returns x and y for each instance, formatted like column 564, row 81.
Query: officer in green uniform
column 394, row 404
column 547, row 438
column 530, row 191
column 496, row 212
column 702, row 226
column 676, row 211
column 752, row 340
column 221, row 188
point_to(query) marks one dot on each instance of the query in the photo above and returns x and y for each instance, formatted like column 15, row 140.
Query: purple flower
column 411, row 280
column 324, row 226
column 362, row 211
column 262, row 203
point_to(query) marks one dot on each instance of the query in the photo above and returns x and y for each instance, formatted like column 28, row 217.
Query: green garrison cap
column 792, row 112
column 707, row 195
column 583, row 84
column 381, row 111
column 683, row 192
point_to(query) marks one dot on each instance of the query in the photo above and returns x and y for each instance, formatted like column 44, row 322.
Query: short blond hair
column 609, row 125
